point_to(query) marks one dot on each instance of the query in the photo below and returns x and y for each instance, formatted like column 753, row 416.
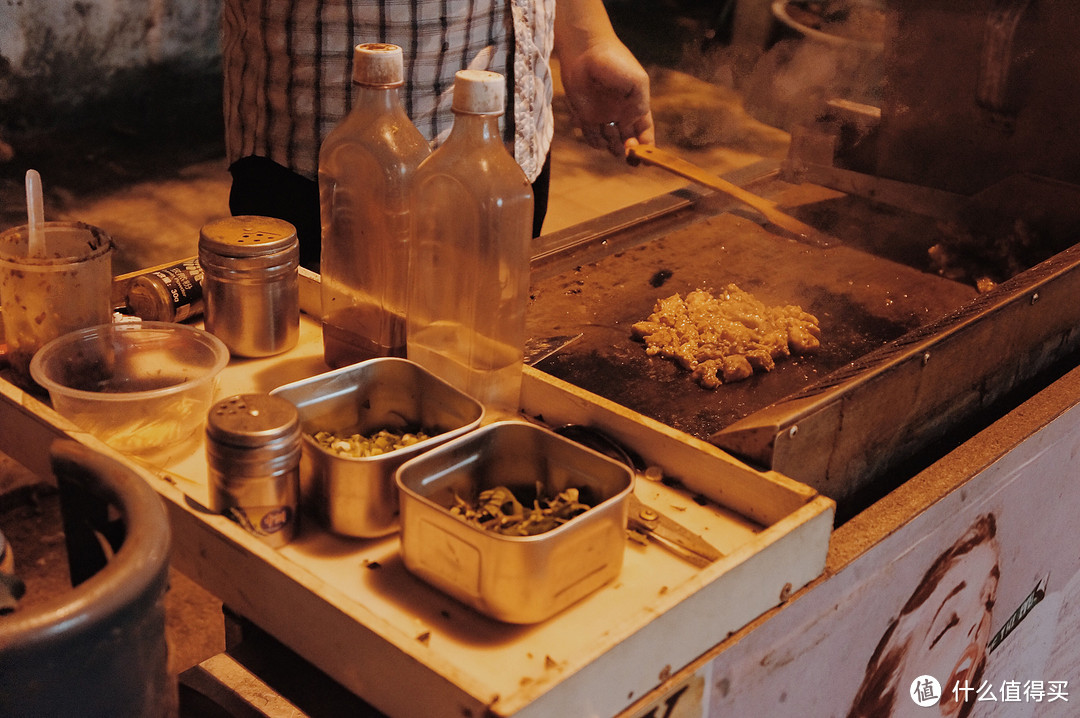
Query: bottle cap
column 378, row 64
column 479, row 92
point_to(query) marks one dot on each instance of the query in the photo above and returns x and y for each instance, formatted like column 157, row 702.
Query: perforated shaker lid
column 246, row 236
column 253, row 420
column 378, row 64
column 479, row 92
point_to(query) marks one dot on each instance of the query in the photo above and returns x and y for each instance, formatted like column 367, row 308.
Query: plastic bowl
column 137, row 386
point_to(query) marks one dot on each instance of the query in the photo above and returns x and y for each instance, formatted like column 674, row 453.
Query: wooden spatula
column 653, row 155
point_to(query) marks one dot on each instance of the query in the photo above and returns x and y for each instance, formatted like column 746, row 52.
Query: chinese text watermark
column 927, row 691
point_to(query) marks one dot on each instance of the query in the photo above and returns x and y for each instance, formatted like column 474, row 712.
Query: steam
column 793, row 80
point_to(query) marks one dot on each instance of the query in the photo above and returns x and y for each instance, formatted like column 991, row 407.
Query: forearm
column 579, row 25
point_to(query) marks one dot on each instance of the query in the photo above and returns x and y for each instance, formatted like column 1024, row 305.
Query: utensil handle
column 35, row 215
column 653, row 155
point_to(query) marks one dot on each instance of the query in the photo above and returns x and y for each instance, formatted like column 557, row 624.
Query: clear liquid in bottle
column 366, row 165
column 469, row 281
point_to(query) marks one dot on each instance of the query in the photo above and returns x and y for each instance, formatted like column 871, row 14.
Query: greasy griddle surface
column 861, row 300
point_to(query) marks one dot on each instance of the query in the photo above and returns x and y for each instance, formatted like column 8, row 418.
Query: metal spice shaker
column 253, row 448
column 251, row 284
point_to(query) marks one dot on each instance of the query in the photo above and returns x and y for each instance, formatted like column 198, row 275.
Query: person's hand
column 608, row 92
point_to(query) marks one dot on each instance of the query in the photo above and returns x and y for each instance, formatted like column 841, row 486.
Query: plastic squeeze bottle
column 469, row 281
column 365, row 166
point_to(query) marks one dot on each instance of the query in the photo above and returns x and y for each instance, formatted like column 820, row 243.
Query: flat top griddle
column 863, row 301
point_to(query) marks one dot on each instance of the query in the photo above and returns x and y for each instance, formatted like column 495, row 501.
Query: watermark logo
column 925, row 691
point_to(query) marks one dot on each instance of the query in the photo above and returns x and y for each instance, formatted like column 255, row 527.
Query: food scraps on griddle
column 726, row 338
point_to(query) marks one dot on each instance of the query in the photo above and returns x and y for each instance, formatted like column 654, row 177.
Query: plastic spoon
column 35, row 214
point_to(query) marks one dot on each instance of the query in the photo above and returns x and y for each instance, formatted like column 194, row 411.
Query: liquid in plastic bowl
column 137, row 386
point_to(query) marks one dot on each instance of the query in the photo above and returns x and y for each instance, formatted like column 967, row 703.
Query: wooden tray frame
column 352, row 610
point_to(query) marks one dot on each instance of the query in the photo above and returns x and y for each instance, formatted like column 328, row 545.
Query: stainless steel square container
column 516, row 579
column 356, row 496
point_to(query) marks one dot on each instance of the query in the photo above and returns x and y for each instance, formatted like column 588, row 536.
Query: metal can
column 251, row 284
column 253, row 448
column 168, row 294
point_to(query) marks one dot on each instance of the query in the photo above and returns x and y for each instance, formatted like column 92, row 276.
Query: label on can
column 273, row 524
column 170, row 294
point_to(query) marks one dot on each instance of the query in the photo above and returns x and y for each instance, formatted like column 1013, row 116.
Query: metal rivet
column 793, row 431
column 1034, row 297
column 648, row 515
column 925, row 358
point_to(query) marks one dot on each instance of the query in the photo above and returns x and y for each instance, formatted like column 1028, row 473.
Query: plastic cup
column 67, row 288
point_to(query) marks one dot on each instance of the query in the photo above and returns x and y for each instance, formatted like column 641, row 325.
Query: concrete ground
column 152, row 186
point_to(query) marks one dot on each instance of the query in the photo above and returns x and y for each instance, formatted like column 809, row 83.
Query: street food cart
column 897, row 513
column 783, row 604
